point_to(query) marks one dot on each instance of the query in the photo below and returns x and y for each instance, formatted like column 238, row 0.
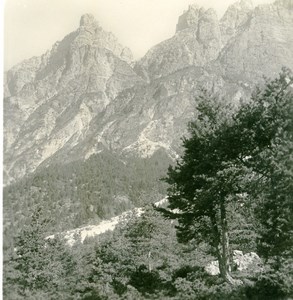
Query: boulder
column 248, row 261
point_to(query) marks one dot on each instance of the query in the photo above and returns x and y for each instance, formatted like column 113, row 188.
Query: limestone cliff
column 262, row 45
column 50, row 100
column 197, row 42
column 83, row 95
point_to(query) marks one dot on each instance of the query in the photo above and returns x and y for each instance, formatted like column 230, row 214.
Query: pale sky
column 32, row 26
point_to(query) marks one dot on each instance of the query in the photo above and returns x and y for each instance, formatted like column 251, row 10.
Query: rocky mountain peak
column 87, row 20
column 90, row 33
column 62, row 91
column 243, row 4
column 192, row 17
column 236, row 15
column 196, row 42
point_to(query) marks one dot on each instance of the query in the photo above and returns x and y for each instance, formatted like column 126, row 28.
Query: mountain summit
column 88, row 20
column 197, row 42
column 193, row 17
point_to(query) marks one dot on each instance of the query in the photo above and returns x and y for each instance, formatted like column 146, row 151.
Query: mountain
column 86, row 95
column 51, row 100
column 160, row 110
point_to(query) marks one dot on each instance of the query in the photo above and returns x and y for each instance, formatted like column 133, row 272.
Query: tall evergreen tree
column 228, row 156
column 205, row 180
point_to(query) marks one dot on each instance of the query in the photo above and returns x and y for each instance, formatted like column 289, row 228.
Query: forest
column 231, row 190
column 83, row 192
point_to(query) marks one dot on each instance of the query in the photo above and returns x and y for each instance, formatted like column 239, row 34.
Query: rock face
column 262, row 44
column 234, row 18
column 84, row 95
column 197, row 41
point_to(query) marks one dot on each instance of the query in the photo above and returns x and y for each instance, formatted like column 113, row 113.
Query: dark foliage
column 243, row 159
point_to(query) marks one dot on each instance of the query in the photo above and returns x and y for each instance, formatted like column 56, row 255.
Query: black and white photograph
column 147, row 150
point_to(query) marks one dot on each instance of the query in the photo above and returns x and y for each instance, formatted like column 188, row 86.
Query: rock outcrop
column 249, row 261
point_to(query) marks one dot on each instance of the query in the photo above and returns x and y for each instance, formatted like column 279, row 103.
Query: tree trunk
column 224, row 257
column 224, row 263
column 149, row 261
column 221, row 245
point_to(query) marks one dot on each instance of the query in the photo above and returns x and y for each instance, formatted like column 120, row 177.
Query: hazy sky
column 32, row 26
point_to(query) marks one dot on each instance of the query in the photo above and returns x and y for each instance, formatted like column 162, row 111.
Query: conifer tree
column 205, row 180
column 227, row 156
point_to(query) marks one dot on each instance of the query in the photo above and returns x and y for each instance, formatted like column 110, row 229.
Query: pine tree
column 231, row 155
column 206, row 180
